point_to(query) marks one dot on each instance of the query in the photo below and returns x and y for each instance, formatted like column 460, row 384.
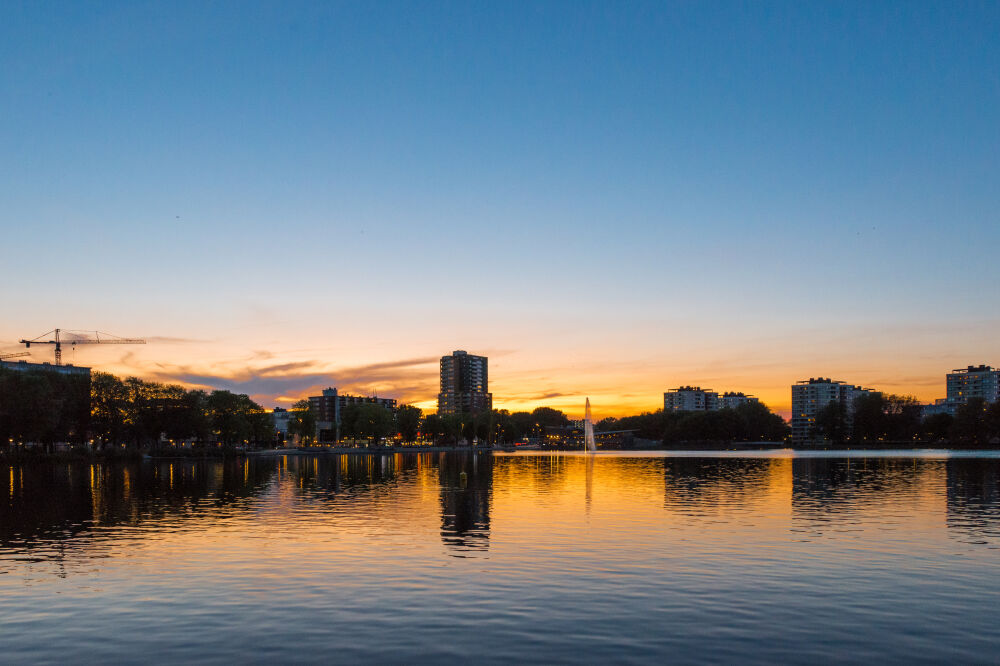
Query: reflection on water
column 972, row 501
column 465, row 555
column 466, row 485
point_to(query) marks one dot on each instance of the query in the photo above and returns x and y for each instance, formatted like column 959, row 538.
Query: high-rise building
column 809, row 397
column 690, row 399
column 980, row 381
column 464, row 384
column 962, row 384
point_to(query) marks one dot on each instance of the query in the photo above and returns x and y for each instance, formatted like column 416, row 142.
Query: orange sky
column 623, row 370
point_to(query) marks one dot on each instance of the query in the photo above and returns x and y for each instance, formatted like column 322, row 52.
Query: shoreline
column 691, row 449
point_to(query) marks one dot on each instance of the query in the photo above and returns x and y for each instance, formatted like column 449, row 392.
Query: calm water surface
column 532, row 558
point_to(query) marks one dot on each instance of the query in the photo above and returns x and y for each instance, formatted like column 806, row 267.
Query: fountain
column 588, row 431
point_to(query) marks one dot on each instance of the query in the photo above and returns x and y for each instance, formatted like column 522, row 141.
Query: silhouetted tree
column 408, row 422
column 970, row 426
column 432, row 427
column 936, row 427
column 831, row 422
column 303, row 421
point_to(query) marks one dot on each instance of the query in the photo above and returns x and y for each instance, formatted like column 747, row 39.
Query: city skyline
column 943, row 393
column 606, row 202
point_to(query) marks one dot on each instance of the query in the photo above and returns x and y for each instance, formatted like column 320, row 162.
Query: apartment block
column 809, row 397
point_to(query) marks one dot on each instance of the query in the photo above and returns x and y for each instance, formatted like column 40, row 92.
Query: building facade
column 281, row 420
column 24, row 366
column 329, row 406
column 980, row 381
column 690, row 399
column 464, row 384
column 732, row 400
column 809, row 397
column 963, row 384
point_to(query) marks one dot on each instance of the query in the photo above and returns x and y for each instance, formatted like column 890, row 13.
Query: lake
column 757, row 557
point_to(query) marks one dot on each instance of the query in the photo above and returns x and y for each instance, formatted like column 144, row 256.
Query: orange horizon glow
column 519, row 380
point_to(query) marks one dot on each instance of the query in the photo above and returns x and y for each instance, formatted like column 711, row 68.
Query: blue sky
column 671, row 188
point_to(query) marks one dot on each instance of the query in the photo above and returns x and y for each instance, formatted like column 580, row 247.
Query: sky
column 607, row 199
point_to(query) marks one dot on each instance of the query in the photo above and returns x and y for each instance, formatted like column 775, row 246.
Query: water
column 687, row 558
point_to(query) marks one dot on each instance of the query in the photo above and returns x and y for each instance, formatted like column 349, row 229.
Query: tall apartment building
column 464, row 384
column 690, row 399
column 973, row 382
column 809, row 397
column 328, row 408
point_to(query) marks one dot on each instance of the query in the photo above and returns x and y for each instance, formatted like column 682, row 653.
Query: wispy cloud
column 160, row 339
column 406, row 380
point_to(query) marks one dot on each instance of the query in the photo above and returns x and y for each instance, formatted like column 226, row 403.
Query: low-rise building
column 690, row 399
column 732, row 400
column 281, row 418
column 24, row 366
column 329, row 406
column 697, row 399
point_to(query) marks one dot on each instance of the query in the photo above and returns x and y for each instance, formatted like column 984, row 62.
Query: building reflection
column 46, row 501
column 346, row 476
column 973, row 499
column 699, row 484
column 824, row 486
column 466, row 481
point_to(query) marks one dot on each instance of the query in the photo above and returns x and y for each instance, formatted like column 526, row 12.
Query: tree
column 303, row 421
column 886, row 417
column 760, row 424
column 937, row 427
column 969, row 426
column 504, row 429
column 373, row 422
column 871, row 420
column 525, row 424
column 831, row 422
column 546, row 416
column 432, row 427
column 408, row 422
column 452, row 426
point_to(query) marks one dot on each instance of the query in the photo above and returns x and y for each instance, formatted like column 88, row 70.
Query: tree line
column 46, row 407
column 881, row 417
column 749, row 422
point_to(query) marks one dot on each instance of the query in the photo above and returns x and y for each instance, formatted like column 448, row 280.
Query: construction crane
column 78, row 339
column 4, row 357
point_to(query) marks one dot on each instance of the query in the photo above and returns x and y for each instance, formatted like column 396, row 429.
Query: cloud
column 543, row 396
column 407, row 380
column 924, row 380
